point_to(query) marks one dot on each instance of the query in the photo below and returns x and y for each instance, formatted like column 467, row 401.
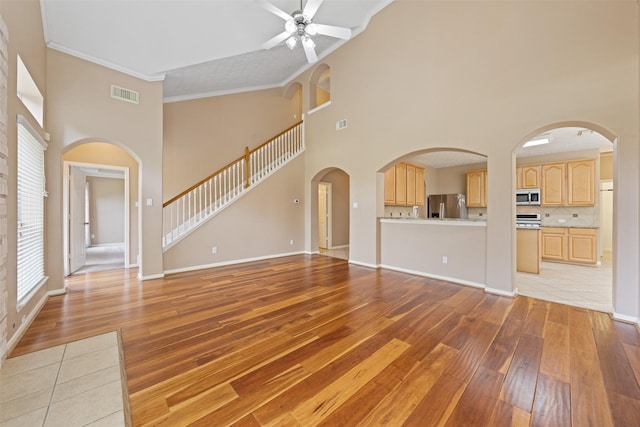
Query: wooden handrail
column 245, row 157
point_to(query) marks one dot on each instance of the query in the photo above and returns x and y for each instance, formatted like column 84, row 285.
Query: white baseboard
column 501, row 292
column 436, row 276
column 339, row 247
column 312, row 253
column 625, row 318
column 363, row 264
column 13, row 342
column 57, row 292
column 231, row 262
column 150, row 277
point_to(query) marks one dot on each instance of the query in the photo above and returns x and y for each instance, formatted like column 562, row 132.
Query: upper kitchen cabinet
column 404, row 185
column 553, row 184
column 477, row 189
column 569, row 183
column 528, row 177
column 581, row 180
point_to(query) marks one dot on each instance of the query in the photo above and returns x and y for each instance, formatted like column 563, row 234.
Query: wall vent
column 123, row 94
column 341, row 124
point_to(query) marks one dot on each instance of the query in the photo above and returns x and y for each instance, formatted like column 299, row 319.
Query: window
column 28, row 92
column 31, row 193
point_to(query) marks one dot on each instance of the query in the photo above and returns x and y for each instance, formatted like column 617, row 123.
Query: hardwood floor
column 312, row 340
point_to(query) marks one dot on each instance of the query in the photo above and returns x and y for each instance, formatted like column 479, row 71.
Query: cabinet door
column 554, row 244
column 531, row 176
column 401, row 184
column 519, row 178
column 583, row 245
column 390, row 186
column 411, row 185
column 476, row 189
column 553, row 184
column 581, row 180
column 420, row 195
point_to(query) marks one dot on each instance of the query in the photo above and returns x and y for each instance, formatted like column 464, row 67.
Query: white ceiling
column 567, row 139
column 198, row 47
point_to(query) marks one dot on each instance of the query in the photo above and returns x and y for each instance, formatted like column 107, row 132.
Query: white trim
column 17, row 336
column 501, row 293
column 436, row 276
column 319, row 107
column 625, row 318
column 57, row 292
column 340, row 247
column 312, row 252
column 150, row 277
column 149, row 78
column 364, row 264
column 231, row 262
column 25, row 300
column 213, row 93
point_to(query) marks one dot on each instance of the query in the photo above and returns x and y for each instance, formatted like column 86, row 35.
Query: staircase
column 188, row 210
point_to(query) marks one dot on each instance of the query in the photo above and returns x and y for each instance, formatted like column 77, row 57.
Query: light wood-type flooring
column 312, row 340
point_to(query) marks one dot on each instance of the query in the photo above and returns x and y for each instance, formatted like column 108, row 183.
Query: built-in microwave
column 530, row 196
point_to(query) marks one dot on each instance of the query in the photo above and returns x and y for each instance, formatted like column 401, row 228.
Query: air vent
column 341, row 124
column 123, row 94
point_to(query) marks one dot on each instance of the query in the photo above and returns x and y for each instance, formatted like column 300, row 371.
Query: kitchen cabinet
column 404, row 185
column 411, row 185
column 528, row 177
column 401, row 184
column 477, row 189
column 553, row 184
column 390, row 186
column 528, row 256
column 583, row 247
column 571, row 245
column 581, row 180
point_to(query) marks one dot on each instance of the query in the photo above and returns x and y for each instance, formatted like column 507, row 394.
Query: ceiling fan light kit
column 299, row 26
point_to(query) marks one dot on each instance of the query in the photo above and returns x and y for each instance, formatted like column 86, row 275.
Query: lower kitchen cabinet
column 571, row 245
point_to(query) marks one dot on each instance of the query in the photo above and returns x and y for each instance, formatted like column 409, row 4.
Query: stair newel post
column 246, row 167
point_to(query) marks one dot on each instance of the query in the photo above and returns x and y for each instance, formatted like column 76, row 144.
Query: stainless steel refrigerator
column 447, row 206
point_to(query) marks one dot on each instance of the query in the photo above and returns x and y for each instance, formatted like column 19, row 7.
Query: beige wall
column 102, row 153
column 24, row 25
column 106, row 207
column 339, row 206
column 203, row 135
column 81, row 110
column 487, row 78
column 261, row 223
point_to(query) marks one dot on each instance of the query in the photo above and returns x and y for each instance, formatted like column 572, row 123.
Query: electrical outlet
column 214, row 250
column 291, row 242
column 445, row 259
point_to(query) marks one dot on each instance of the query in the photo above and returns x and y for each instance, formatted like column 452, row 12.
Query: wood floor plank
column 552, row 405
column 308, row 339
column 520, row 383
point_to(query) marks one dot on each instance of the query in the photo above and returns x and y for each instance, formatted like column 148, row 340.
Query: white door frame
column 329, row 196
column 66, row 203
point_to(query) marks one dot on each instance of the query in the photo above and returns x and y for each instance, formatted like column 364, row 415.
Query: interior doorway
column 96, row 217
column 331, row 212
column 576, row 236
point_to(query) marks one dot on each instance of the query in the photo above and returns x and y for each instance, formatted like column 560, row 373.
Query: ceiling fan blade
column 310, row 51
column 337, row 32
column 276, row 40
column 271, row 8
column 311, row 8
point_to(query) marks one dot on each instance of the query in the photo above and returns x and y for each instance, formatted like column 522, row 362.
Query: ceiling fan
column 300, row 28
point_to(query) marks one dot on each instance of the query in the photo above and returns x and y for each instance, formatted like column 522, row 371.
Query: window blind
column 31, row 194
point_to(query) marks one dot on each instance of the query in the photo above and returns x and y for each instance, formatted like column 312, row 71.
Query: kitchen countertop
column 568, row 226
column 446, row 221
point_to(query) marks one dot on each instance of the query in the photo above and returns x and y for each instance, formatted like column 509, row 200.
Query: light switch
column 149, row 202
column 355, row 205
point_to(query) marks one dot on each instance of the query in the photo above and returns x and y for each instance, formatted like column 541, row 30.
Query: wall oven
column 530, row 196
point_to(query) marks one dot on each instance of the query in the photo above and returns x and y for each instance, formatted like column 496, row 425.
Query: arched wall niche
column 320, row 86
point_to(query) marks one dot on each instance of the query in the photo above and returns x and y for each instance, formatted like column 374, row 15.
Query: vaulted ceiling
column 197, row 48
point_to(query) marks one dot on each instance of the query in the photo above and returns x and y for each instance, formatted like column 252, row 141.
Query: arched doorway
column 571, row 165
column 331, row 213
column 100, row 207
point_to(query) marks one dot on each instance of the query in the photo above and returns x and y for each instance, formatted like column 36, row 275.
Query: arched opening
column 330, row 213
column 100, row 207
column 570, row 167
column 320, row 86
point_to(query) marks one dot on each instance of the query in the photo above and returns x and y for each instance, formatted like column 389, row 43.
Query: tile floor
column 582, row 286
column 76, row 384
column 103, row 257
